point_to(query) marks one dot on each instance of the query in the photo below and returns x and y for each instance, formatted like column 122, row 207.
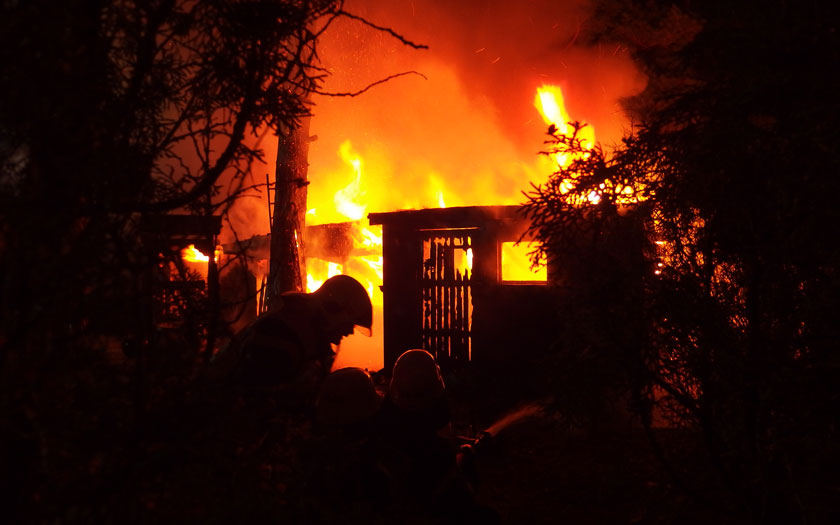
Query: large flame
column 365, row 182
column 348, row 199
column 549, row 101
column 463, row 132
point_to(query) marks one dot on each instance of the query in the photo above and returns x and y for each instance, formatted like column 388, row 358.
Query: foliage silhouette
column 112, row 113
column 729, row 331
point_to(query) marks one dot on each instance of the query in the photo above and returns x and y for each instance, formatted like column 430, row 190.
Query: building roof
column 457, row 217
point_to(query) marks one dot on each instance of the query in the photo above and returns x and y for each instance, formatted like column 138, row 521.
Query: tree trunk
column 286, row 269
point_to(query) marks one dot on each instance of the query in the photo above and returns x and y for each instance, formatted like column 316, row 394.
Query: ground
column 543, row 472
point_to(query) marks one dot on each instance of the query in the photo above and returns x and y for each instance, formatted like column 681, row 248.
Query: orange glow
column 549, row 101
column 551, row 105
column 365, row 180
column 465, row 133
column 516, row 263
column 194, row 255
column 370, row 177
column 347, row 200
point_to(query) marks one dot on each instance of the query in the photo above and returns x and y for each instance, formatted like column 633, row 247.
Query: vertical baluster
column 444, row 290
column 442, row 294
column 435, row 303
column 465, row 305
column 457, row 343
column 465, row 313
column 438, row 296
column 424, row 292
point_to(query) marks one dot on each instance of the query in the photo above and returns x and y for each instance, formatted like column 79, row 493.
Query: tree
column 112, row 113
column 287, row 270
column 733, row 157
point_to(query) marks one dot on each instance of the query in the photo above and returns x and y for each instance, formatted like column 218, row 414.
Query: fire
column 366, row 180
column 350, row 203
column 437, row 187
column 516, row 263
column 347, row 199
column 551, row 105
column 549, row 101
column 194, row 255
column 313, row 282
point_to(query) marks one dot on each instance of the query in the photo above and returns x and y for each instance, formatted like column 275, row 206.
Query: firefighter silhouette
column 344, row 482
column 387, row 460
column 295, row 342
column 417, row 450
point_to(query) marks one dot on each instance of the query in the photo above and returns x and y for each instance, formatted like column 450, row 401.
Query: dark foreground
column 192, row 463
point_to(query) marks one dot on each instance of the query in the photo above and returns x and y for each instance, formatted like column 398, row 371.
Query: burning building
column 450, row 286
column 463, row 136
column 181, row 242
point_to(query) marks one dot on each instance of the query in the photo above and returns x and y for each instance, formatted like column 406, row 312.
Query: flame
column 437, row 187
column 549, row 101
column 316, row 278
column 516, row 263
column 374, row 184
column 371, row 239
column 551, row 105
column 194, row 255
column 347, row 199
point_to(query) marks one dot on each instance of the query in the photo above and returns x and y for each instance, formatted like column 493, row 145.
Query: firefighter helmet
column 347, row 396
column 344, row 293
column 416, row 382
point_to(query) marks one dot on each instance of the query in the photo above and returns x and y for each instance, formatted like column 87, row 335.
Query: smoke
column 248, row 215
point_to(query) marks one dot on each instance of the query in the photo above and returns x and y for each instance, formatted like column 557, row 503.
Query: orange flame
column 194, row 255
column 367, row 181
column 347, row 199
column 549, row 101
column 551, row 105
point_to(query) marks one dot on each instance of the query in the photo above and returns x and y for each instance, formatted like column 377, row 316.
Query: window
column 516, row 264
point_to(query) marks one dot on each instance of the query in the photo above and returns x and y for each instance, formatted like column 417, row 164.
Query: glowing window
column 516, row 264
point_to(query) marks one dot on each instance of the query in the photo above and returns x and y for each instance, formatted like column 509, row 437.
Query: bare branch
column 369, row 86
column 383, row 29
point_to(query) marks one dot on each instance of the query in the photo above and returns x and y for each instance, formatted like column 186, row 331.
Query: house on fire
column 447, row 284
column 447, row 289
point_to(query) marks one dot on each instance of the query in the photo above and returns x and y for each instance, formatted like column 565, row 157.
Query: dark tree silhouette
column 731, row 330
column 111, row 114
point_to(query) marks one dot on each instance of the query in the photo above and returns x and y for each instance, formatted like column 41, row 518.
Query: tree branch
column 383, row 29
column 369, row 86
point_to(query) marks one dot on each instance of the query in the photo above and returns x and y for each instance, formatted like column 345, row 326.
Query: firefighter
column 417, row 449
column 344, row 480
column 416, row 394
column 347, row 401
column 294, row 343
